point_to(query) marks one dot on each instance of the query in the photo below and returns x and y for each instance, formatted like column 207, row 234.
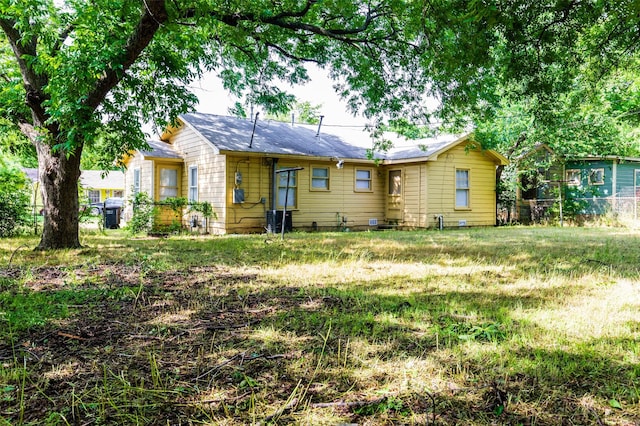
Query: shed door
column 395, row 197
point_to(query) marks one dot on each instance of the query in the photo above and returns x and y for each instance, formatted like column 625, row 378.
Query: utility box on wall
column 238, row 196
column 274, row 221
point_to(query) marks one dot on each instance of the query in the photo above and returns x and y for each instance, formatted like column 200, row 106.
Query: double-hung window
column 319, row 178
column 363, row 180
column 462, row 189
column 193, row 184
column 136, row 181
column 287, row 189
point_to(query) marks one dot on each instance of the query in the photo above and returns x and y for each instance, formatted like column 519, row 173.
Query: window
column 596, row 177
column 395, row 182
column 118, row 193
column 193, row 184
column 572, row 176
column 168, row 183
column 94, row 196
column 363, row 180
column 319, row 178
column 462, row 188
column 283, row 194
column 136, row 181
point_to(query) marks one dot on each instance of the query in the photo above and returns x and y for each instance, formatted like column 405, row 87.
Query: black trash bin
column 111, row 217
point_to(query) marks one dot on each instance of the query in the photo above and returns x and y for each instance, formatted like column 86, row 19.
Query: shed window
column 462, row 188
column 193, row 184
column 596, row 177
column 168, row 183
column 363, row 180
column 319, row 178
column 572, row 176
column 136, row 181
column 290, row 194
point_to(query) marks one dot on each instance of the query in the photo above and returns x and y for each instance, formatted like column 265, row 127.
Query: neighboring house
column 99, row 186
column 96, row 187
column 597, row 185
column 331, row 184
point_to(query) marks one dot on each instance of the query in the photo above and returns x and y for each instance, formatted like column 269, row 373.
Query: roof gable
column 429, row 149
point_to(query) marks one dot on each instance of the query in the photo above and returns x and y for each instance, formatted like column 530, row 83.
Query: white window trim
column 94, row 192
column 136, row 189
column 192, row 186
column 467, row 189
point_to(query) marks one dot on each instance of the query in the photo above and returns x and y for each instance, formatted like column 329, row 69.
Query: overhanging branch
column 154, row 15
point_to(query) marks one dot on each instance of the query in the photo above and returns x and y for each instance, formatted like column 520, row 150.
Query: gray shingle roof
column 234, row 134
column 270, row 137
column 160, row 149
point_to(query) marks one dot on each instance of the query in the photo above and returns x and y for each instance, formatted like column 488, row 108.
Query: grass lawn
column 531, row 326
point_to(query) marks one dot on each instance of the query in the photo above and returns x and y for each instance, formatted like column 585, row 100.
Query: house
column 255, row 172
column 589, row 185
column 97, row 185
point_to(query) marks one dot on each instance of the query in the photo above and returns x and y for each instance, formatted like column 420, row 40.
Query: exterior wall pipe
column 274, row 185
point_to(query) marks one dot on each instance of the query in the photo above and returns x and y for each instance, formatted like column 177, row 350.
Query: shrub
column 14, row 212
column 14, row 198
column 144, row 212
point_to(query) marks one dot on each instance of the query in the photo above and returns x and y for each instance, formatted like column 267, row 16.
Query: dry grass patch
column 479, row 326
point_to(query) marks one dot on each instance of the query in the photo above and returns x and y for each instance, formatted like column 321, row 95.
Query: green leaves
column 613, row 403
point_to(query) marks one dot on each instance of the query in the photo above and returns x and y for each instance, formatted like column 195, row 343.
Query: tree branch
column 33, row 82
column 61, row 39
column 153, row 17
column 289, row 55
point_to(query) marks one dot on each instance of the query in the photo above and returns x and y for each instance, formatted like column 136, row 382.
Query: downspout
column 274, row 184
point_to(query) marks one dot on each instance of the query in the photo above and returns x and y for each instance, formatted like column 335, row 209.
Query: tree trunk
column 59, row 177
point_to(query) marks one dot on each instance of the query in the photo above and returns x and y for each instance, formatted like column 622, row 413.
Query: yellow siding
column 441, row 188
column 327, row 209
column 249, row 216
column 415, row 196
column 341, row 206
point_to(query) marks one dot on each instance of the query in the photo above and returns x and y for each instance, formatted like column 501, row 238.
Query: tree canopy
column 76, row 73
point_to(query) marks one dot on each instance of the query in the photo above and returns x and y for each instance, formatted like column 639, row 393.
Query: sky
column 214, row 99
